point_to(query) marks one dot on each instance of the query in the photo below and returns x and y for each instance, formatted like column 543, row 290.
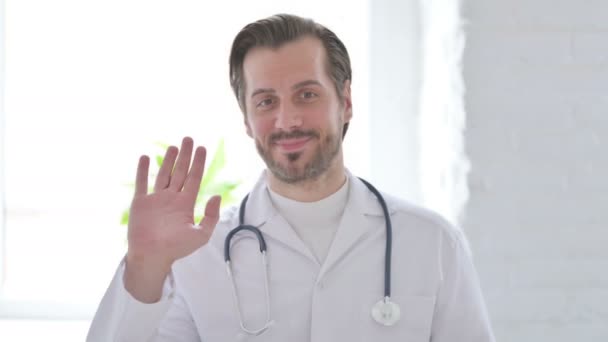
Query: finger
column 141, row 180
column 201, row 235
column 164, row 174
column 182, row 165
column 212, row 214
column 195, row 176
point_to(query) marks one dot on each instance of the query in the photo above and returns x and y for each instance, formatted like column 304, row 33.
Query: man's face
column 293, row 111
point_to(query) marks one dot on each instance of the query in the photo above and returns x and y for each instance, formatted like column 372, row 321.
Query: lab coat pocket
column 414, row 324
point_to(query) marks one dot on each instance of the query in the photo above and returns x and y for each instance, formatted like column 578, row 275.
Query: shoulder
column 424, row 220
column 229, row 215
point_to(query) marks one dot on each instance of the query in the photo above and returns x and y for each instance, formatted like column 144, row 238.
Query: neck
column 314, row 189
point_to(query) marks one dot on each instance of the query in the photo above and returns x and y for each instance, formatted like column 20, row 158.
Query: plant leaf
column 209, row 185
column 124, row 219
column 161, row 145
column 218, row 188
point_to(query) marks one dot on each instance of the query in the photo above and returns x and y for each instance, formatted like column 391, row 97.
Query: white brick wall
column 536, row 73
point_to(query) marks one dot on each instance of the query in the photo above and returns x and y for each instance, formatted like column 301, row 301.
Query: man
column 324, row 277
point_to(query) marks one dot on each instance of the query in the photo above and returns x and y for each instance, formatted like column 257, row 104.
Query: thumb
column 212, row 215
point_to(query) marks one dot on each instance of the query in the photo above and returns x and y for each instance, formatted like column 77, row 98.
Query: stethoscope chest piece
column 386, row 312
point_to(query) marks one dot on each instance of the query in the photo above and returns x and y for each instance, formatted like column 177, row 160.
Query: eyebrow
column 294, row 87
column 305, row 83
column 261, row 91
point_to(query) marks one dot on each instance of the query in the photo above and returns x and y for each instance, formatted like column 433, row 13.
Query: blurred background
column 492, row 112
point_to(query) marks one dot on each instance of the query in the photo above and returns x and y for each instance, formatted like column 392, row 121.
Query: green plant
column 211, row 185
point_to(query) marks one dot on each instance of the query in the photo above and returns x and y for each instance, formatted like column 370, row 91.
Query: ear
column 347, row 101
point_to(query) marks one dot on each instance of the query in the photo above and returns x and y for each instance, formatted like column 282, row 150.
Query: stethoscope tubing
column 262, row 241
column 389, row 238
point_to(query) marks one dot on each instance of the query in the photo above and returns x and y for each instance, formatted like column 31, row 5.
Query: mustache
column 292, row 135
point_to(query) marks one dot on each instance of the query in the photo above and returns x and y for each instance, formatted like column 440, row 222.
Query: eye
column 265, row 103
column 308, row 95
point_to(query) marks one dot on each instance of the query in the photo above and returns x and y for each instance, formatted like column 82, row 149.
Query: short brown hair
column 277, row 30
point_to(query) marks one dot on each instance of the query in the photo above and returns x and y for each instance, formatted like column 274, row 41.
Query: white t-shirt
column 315, row 223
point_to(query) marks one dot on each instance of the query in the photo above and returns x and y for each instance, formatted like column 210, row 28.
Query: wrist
column 144, row 278
column 148, row 263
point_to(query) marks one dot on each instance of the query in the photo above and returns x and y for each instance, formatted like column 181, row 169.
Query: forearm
column 121, row 317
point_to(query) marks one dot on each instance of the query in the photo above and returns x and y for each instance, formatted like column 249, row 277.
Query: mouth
column 293, row 144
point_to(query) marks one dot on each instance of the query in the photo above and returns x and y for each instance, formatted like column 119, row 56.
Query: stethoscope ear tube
column 262, row 244
column 389, row 238
column 242, row 226
column 252, row 229
column 242, row 210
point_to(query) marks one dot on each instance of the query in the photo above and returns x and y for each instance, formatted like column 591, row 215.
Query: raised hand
column 161, row 224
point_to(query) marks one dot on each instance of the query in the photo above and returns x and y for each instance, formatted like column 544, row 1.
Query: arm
column 121, row 317
column 460, row 312
column 140, row 304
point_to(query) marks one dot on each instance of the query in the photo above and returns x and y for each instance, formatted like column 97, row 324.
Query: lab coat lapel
column 261, row 213
column 359, row 219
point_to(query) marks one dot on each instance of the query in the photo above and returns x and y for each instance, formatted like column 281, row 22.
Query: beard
column 290, row 172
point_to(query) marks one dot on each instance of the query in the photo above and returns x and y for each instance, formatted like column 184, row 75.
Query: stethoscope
column 385, row 311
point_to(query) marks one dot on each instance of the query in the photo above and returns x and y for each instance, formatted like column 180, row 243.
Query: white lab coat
column 433, row 281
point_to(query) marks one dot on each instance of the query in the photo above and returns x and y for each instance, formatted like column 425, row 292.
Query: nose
column 288, row 117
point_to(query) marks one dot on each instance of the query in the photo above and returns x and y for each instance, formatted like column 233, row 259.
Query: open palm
column 161, row 223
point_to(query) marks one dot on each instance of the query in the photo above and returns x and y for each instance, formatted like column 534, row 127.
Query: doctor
column 325, row 230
